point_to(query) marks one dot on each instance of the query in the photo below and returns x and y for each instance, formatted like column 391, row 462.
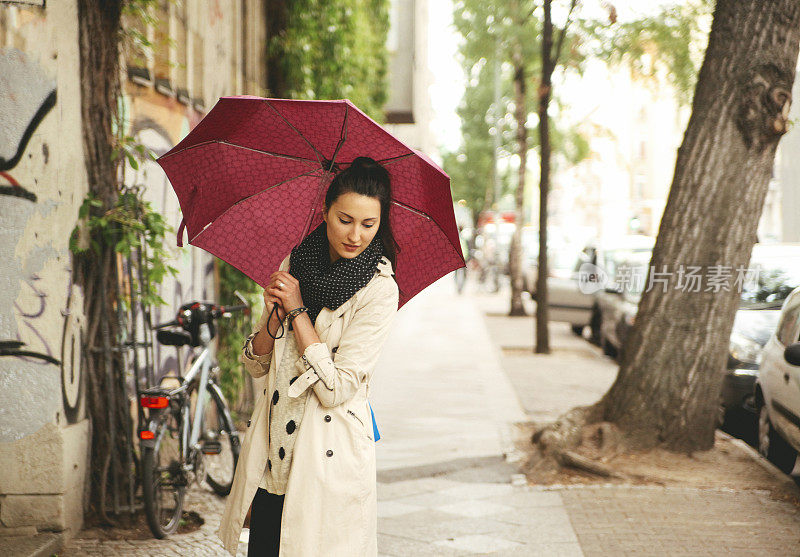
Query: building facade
column 408, row 109
column 200, row 51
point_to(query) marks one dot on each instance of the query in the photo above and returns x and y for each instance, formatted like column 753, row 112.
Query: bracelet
column 295, row 312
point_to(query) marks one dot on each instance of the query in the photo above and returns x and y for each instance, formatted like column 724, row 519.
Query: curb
column 39, row 545
column 755, row 456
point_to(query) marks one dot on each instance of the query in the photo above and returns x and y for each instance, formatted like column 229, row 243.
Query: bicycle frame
column 200, row 370
column 201, row 366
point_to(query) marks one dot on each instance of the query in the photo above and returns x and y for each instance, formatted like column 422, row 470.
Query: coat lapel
column 326, row 316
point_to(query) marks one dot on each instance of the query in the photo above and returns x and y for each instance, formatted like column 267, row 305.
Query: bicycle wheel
column 220, row 442
column 163, row 480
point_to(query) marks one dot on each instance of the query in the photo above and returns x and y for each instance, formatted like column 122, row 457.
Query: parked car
column 778, row 274
column 777, row 390
column 632, row 251
column 617, row 303
column 566, row 300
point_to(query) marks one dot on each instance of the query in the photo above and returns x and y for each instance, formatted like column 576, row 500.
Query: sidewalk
column 451, row 382
column 445, row 410
column 631, row 520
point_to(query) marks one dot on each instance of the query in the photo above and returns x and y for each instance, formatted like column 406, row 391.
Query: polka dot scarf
column 326, row 284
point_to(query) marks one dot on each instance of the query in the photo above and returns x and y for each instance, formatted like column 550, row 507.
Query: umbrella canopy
column 251, row 179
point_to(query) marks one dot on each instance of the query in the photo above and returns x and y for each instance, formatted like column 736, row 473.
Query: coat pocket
column 361, row 423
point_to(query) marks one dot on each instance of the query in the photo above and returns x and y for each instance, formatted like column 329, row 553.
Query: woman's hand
column 271, row 301
column 286, row 289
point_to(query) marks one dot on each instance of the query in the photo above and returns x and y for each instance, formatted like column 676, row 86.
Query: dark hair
column 366, row 176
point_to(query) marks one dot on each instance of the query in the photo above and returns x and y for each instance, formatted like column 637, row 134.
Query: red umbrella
column 251, row 179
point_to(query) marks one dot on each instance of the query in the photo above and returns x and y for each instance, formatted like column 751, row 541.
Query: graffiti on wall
column 28, row 335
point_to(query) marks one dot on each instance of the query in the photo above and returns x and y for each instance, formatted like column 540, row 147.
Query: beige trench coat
column 330, row 508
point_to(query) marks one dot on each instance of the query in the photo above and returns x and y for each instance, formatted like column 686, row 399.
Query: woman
column 307, row 463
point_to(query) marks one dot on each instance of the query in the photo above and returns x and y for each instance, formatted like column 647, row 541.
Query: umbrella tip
column 329, row 166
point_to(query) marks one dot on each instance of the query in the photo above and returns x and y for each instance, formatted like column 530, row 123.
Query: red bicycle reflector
column 147, row 435
column 154, row 402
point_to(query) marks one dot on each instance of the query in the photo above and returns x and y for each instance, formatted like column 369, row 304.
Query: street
column 447, row 473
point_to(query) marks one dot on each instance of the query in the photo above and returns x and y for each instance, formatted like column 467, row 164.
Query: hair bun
column 364, row 162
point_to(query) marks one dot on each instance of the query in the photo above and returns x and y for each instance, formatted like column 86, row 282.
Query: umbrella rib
column 288, row 123
column 311, row 173
column 418, row 212
column 395, row 159
column 409, row 208
column 272, row 153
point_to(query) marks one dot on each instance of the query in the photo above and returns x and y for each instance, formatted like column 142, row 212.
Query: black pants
column 265, row 524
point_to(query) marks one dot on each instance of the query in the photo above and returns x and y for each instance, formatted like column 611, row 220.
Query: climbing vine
column 131, row 225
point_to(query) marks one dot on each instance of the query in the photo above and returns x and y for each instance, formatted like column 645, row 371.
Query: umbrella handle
column 181, row 228
column 269, row 320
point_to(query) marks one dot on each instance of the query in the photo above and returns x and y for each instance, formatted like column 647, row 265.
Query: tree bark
column 515, row 249
column 96, row 272
column 668, row 387
column 277, row 13
column 545, row 94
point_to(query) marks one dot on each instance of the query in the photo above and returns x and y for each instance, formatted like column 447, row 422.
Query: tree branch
column 563, row 33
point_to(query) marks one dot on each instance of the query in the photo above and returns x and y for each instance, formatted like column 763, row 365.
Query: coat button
column 329, row 453
column 248, row 423
column 265, row 391
column 327, row 417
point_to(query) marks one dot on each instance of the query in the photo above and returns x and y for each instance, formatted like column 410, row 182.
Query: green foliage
column 232, row 332
column 673, row 41
column 131, row 226
column 336, row 49
column 491, row 29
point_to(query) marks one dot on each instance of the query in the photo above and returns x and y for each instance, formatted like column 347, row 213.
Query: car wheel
column 594, row 325
column 608, row 348
column 772, row 446
column 578, row 330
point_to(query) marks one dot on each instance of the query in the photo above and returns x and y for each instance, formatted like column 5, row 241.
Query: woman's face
column 352, row 222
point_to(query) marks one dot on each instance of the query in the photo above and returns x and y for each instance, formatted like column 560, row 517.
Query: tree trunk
column 277, row 14
column 668, row 388
column 545, row 93
column 96, row 272
column 515, row 250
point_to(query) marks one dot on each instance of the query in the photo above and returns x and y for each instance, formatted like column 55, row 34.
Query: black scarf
column 326, row 284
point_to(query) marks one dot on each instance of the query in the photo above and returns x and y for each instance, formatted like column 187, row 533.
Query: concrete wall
column 44, row 432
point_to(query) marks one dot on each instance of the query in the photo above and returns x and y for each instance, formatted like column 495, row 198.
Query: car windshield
column 772, row 277
column 631, row 273
column 631, row 257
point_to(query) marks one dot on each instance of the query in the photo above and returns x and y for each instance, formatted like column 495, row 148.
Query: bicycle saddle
column 173, row 338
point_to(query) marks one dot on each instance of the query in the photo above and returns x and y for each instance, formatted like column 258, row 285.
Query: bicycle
column 186, row 433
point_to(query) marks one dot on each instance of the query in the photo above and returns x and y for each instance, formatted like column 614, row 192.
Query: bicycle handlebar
column 215, row 311
column 240, row 307
column 221, row 311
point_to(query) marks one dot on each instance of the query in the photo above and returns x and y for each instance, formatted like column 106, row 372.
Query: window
column 136, row 51
column 179, row 69
column 161, row 48
column 197, row 70
column 790, row 320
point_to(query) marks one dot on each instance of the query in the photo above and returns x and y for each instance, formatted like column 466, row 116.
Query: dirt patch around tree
column 728, row 465
column 135, row 528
